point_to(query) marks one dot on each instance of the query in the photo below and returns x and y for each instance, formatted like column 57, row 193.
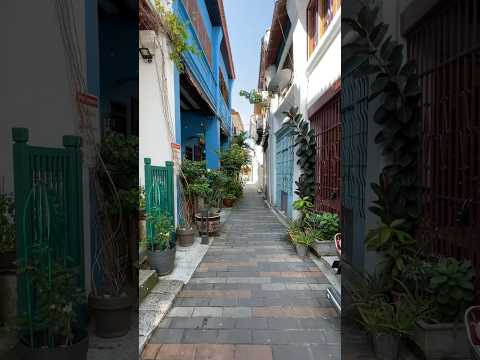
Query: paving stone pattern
column 251, row 298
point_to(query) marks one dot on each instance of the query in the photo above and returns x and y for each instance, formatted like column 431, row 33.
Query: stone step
column 147, row 279
column 154, row 308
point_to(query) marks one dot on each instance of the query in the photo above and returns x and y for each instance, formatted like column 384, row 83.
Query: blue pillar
column 212, row 142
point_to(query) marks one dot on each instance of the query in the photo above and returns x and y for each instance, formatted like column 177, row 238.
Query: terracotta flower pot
column 185, row 237
column 228, row 203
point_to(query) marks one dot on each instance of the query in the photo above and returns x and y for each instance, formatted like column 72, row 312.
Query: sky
column 247, row 21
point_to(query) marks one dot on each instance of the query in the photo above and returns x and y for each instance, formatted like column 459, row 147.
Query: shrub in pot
column 50, row 330
column 324, row 226
column 302, row 241
column 442, row 334
column 389, row 323
column 161, row 245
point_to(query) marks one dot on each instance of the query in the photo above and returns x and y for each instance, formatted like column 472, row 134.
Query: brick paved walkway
column 252, row 298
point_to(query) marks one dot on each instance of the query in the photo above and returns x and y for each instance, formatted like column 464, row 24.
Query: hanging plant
column 256, row 97
column 306, row 147
column 396, row 86
column 176, row 31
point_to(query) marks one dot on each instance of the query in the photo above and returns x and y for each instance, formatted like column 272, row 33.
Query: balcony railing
column 191, row 7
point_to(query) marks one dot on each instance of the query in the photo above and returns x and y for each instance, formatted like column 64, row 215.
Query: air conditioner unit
column 280, row 81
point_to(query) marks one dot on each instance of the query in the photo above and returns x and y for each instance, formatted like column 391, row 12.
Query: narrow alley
column 251, row 298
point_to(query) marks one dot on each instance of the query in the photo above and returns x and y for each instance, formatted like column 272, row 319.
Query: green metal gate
column 284, row 169
column 49, row 210
column 159, row 193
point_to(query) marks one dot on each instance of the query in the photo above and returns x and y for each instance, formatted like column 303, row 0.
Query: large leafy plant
column 305, row 144
column 395, row 243
column 395, row 84
column 451, row 285
column 7, row 223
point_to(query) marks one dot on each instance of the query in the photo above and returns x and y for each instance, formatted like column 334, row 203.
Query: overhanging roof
column 279, row 23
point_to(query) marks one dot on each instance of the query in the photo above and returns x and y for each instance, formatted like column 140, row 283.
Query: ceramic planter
column 325, row 248
column 228, row 203
column 302, row 250
column 77, row 351
column 213, row 223
column 386, row 346
column 185, row 237
column 111, row 314
column 162, row 261
column 442, row 341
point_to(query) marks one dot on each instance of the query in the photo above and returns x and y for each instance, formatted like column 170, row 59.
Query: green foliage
column 141, row 198
column 233, row 188
column 305, row 144
column 120, row 156
column 254, row 96
column 163, row 229
column 395, row 243
column 324, row 225
column 396, row 85
column 398, row 319
column 304, row 205
column 177, row 32
column 300, row 237
column 241, row 140
column 192, row 170
column 57, row 298
column 7, row 223
column 451, row 286
column 233, row 159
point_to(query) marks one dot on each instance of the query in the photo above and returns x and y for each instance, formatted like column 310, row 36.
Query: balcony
column 200, row 65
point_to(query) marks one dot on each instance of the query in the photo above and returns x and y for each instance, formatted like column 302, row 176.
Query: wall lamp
column 146, row 54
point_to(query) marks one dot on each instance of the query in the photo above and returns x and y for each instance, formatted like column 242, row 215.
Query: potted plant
column 441, row 334
column 185, row 231
column 387, row 322
column 161, row 246
column 111, row 299
column 49, row 328
column 211, row 192
column 302, row 241
column 325, row 227
column 7, row 232
column 229, row 200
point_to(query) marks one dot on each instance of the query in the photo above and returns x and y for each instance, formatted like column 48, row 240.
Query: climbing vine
column 305, row 144
column 176, row 31
column 397, row 88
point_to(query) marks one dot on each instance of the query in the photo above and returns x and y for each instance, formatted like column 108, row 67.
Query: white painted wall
column 312, row 77
column 156, row 103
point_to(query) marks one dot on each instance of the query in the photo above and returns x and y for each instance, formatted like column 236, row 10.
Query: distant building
column 237, row 123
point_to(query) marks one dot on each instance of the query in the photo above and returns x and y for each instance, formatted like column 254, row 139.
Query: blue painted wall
column 207, row 75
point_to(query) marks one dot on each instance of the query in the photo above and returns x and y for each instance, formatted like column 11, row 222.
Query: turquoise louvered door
column 284, row 170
